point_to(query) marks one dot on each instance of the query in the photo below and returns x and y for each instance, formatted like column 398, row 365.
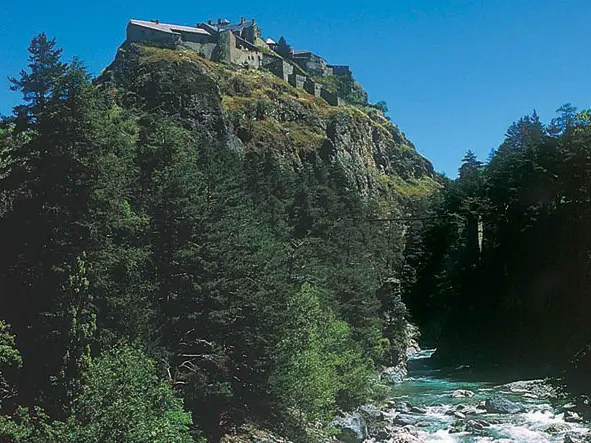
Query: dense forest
column 503, row 266
column 159, row 284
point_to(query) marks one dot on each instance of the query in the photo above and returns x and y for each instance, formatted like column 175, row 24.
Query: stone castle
column 241, row 44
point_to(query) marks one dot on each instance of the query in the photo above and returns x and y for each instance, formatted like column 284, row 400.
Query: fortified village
column 241, row 44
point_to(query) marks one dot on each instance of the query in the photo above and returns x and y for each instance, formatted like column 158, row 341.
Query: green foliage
column 124, row 400
column 41, row 82
column 317, row 362
column 10, row 362
column 283, row 49
column 382, row 106
column 128, row 216
column 507, row 254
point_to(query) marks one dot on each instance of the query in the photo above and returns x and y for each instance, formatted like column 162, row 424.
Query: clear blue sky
column 455, row 73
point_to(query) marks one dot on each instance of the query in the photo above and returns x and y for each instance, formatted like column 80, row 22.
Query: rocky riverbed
column 433, row 406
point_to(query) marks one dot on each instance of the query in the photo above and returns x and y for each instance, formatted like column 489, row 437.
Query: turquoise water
column 432, row 390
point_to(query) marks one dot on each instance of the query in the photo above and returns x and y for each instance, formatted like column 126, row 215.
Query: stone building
column 241, row 44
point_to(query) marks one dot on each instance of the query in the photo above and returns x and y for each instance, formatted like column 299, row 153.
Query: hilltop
column 252, row 108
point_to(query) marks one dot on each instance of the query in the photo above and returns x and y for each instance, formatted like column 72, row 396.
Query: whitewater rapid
column 440, row 415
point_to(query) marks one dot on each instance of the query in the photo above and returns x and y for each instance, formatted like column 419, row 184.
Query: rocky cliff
column 253, row 110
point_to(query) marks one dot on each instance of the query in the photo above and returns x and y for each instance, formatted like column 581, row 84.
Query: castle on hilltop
column 241, row 44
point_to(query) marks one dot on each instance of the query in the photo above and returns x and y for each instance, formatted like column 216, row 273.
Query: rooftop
column 168, row 28
column 225, row 25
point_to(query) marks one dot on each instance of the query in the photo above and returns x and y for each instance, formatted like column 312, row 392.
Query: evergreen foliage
column 521, row 299
column 127, row 224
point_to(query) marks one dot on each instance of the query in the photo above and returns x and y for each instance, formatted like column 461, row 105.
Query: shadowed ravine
column 442, row 416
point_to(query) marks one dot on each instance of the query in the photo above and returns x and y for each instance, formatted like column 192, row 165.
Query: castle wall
column 313, row 64
column 332, row 98
column 191, row 37
column 340, row 69
column 137, row 33
column 205, row 50
column 228, row 51
column 313, row 88
column 297, row 80
column 279, row 67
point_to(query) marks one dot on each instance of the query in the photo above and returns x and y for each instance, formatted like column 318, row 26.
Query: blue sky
column 455, row 73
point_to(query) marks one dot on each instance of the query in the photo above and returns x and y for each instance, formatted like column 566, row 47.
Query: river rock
column 405, row 438
column 405, row 435
column 499, row 405
column 572, row 438
column 404, row 406
column 417, row 410
column 572, row 417
column 540, row 388
column 351, row 426
column 472, row 426
column 462, row 393
column 372, row 412
column 458, row 414
column 557, row 428
column 405, row 419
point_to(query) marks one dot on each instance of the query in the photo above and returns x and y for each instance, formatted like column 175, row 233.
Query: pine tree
column 39, row 84
column 283, row 49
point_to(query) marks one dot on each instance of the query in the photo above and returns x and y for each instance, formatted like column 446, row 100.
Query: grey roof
column 164, row 27
column 230, row 26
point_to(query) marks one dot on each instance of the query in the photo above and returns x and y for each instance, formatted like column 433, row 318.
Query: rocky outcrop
column 250, row 110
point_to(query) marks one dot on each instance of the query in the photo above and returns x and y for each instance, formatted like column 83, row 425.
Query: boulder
column 405, row 419
column 462, row 393
column 351, row 427
column 404, row 406
column 557, row 428
column 572, row 438
column 405, row 435
column 417, row 410
column 405, row 438
column 384, row 434
column 572, row 417
column 372, row 412
column 500, row 405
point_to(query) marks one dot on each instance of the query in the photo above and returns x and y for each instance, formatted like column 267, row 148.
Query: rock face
column 500, row 405
column 394, row 374
column 351, row 426
column 255, row 111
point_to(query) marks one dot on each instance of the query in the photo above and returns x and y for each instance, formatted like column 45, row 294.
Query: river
column 428, row 396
